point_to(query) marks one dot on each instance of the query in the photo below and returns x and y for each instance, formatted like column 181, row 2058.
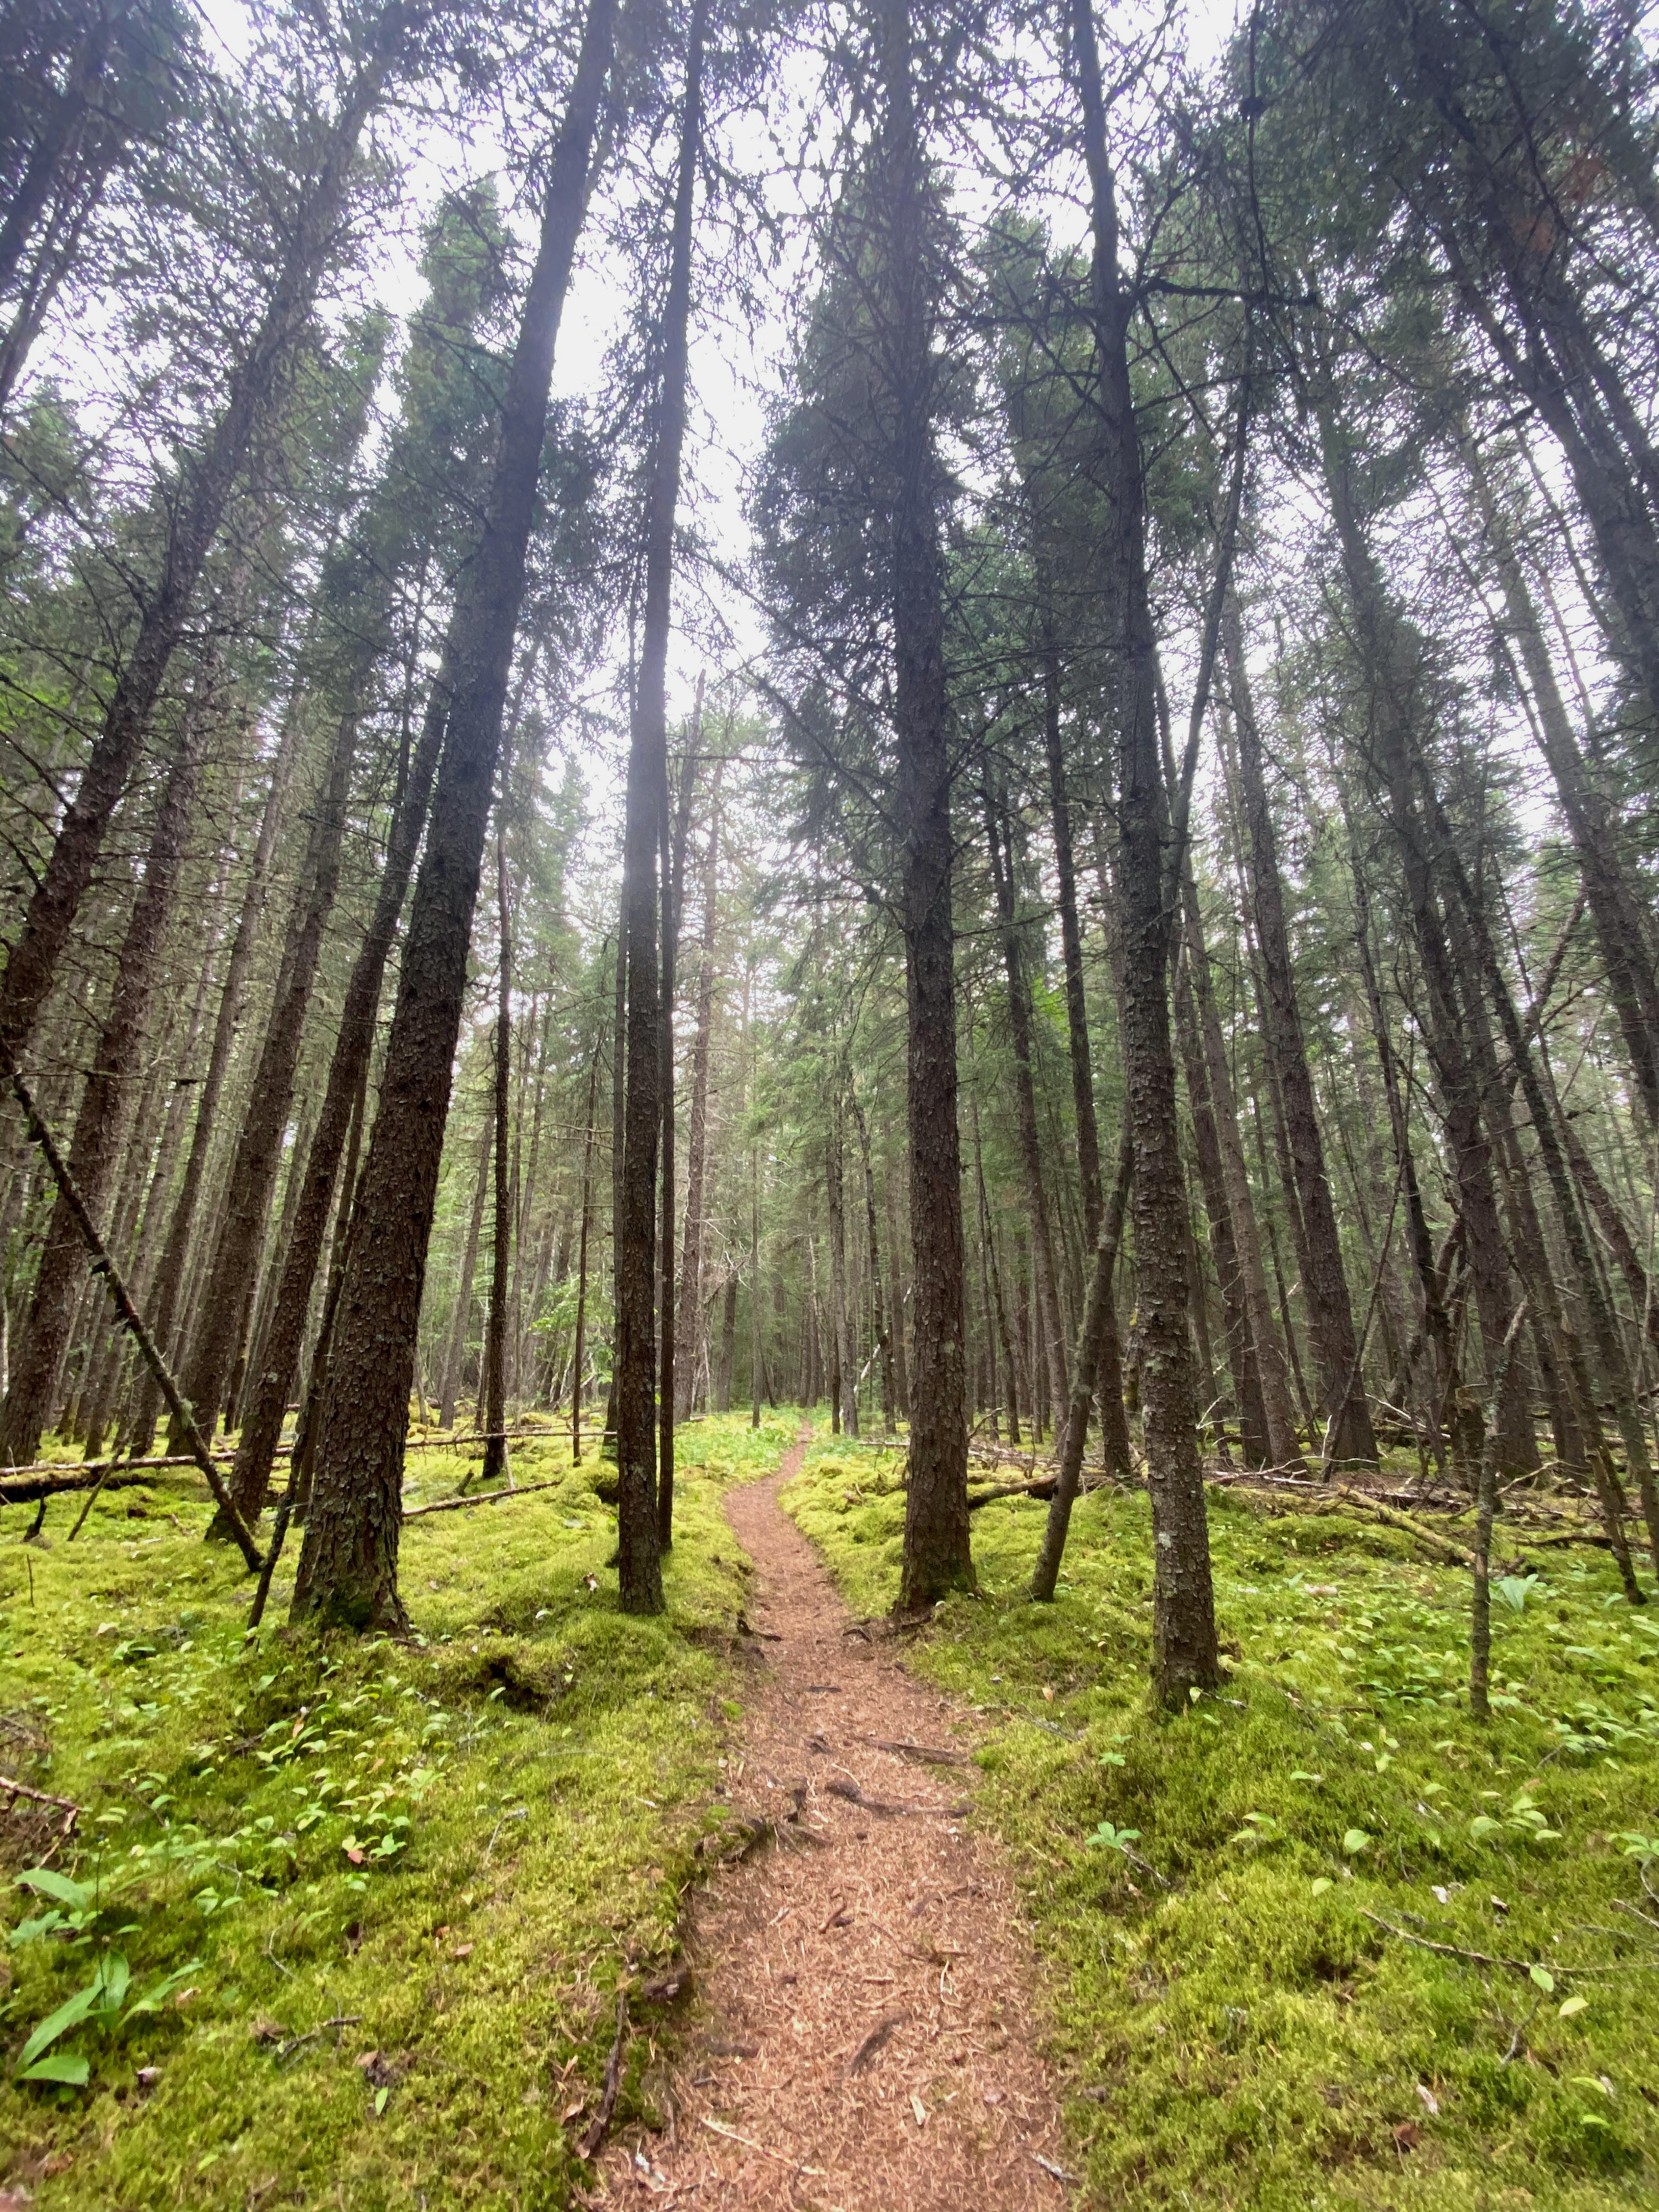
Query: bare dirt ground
column 865, row 2024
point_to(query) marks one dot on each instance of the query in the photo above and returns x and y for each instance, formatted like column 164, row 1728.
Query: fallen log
column 1042, row 1487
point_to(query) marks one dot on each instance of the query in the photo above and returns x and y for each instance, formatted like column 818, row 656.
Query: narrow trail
column 866, row 2022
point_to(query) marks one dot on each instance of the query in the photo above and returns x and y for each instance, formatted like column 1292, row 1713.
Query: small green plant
column 1106, row 1837
column 102, row 2004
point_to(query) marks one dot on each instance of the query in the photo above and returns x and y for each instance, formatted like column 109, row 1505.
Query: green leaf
column 46, row 1882
column 66, row 2067
column 1573, row 2006
column 1355, row 1840
column 1321, row 1884
column 154, row 1998
column 381, row 2096
column 1543, row 1978
column 1112, row 1758
column 69, row 2015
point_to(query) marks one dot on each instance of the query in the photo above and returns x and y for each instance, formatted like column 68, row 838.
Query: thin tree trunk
column 1349, row 1434
column 494, row 1392
column 455, row 1357
column 352, row 1047
column 690, row 1306
column 878, row 1303
column 834, row 1187
column 999, row 837
column 673, row 889
column 579, row 1358
column 242, row 1226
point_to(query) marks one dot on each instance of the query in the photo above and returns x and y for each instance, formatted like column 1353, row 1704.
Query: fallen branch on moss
column 128, row 1314
column 613, row 2075
column 481, row 1498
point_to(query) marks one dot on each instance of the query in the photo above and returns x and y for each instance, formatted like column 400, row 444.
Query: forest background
column 945, row 713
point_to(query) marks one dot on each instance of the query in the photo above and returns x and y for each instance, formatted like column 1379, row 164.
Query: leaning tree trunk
column 348, row 1569
column 258, row 1153
column 254, row 392
column 95, row 1147
column 639, row 1552
column 1185, row 1657
column 352, row 1046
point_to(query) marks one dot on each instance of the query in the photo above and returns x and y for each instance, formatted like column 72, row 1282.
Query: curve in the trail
column 866, row 2036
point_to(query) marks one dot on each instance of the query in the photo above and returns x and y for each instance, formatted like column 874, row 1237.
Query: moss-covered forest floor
column 1237, row 1905
column 374, row 1901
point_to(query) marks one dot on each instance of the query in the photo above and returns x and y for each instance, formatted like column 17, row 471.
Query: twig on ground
column 613, row 2075
column 873, row 2042
column 65, row 1805
column 719, row 2128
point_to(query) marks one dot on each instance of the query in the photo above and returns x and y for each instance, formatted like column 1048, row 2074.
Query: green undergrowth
column 344, row 1920
column 1234, row 2029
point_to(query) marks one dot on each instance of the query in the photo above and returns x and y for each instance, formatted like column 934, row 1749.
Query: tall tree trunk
column 673, row 897
column 349, row 1564
column 937, row 1553
column 255, row 390
column 999, row 835
column 835, row 1188
column 618, row 1153
column 690, row 1305
column 878, row 1303
column 243, row 1224
column 638, row 1527
column 353, row 1046
column 1224, row 1245
column 579, row 1357
column 493, row 1393
column 1624, row 926
column 95, row 1147
column 455, row 1357
column 171, row 1304
column 1071, row 933
column 1185, row 1657
column 1349, row 1435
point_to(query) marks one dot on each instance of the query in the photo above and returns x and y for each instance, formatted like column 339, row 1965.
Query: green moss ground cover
column 1235, row 2031
column 453, row 1846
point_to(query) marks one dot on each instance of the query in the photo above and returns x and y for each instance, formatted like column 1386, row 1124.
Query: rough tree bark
column 937, row 1554
column 348, row 1570
column 1185, row 1655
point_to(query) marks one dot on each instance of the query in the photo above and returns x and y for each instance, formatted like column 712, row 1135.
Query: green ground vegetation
column 452, row 1847
column 1237, row 2023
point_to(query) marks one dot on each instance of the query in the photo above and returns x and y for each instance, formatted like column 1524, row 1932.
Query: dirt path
column 866, row 2024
